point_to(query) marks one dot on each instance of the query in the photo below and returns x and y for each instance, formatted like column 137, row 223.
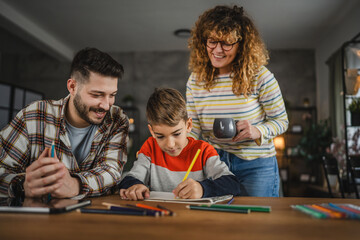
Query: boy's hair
column 166, row 106
column 93, row 60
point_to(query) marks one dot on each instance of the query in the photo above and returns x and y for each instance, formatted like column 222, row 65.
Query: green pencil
column 252, row 208
column 206, row 208
column 309, row 211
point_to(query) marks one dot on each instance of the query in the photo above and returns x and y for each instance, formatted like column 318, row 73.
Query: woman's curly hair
column 227, row 22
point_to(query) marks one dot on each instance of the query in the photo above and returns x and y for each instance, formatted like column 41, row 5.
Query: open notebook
column 169, row 197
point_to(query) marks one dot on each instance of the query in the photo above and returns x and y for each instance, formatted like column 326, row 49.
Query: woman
column 229, row 80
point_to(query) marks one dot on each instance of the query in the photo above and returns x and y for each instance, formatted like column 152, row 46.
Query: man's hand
column 49, row 175
column 135, row 192
column 189, row 189
column 246, row 131
column 42, row 175
column 68, row 186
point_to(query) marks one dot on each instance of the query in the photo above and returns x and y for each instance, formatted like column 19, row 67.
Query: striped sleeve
column 271, row 99
column 191, row 110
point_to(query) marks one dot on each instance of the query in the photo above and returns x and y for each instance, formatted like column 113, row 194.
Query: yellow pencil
column 192, row 164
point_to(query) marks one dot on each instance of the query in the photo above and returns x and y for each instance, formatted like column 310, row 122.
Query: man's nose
column 105, row 104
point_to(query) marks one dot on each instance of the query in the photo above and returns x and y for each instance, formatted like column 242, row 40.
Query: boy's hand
column 189, row 189
column 135, row 192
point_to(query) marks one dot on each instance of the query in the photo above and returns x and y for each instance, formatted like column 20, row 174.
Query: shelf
column 300, row 108
column 296, row 133
column 351, row 96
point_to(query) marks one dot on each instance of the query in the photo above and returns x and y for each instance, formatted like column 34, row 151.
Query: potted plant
column 314, row 144
column 354, row 109
column 315, row 140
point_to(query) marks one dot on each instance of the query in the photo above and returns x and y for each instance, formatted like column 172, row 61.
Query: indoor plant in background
column 314, row 143
column 354, row 109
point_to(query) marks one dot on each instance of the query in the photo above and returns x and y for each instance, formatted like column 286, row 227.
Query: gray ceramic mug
column 224, row 127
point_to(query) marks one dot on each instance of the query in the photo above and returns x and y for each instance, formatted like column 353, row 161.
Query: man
column 88, row 132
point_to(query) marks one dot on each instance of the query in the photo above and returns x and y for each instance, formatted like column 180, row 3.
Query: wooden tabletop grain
column 281, row 223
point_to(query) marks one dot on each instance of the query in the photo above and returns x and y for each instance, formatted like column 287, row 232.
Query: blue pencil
column 229, row 202
column 347, row 212
column 144, row 209
column 147, row 213
column 52, row 155
column 107, row 211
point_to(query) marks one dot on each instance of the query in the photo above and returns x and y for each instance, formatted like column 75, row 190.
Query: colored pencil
column 134, row 206
column 251, row 208
column 229, row 202
column 166, row 212
column 328, row 215
column 192, row 164
column 111, row 204
column 107, row 211
column 193, row 207
column 353, row 206
column 347, row 212
column 147, row 212
column 52, row 155
column 331, row 213
column 334, row 210
column 164, row 208
column 350, row 209
column 309, row 211
column 53, row 149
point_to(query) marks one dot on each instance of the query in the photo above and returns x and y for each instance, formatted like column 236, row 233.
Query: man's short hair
column 166, row 106
column 93, row 60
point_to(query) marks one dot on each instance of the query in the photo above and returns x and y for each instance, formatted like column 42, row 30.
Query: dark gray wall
column 144, row 71
column 295, row 72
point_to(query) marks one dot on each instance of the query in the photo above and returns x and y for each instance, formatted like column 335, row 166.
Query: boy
column 165, row 157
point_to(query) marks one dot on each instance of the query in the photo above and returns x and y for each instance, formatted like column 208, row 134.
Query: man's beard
column 84, row 110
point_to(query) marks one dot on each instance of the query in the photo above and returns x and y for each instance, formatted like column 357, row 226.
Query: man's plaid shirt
column 42, row 122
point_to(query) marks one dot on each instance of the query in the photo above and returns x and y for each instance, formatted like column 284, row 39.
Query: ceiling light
column 182, row 33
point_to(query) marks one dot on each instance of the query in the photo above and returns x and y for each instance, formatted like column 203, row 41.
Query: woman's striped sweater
column 264, row 108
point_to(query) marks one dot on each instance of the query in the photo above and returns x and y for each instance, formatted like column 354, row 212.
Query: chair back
column 354, row 165
column 330, row 166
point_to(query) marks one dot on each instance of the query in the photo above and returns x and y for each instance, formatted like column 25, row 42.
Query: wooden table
column 282, row 223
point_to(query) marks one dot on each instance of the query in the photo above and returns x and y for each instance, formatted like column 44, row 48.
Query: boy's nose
column 170, row 143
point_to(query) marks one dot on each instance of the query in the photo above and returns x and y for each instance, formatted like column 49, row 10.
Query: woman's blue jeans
column 258, row 177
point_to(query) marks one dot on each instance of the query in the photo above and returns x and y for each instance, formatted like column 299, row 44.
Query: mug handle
column 236, row 121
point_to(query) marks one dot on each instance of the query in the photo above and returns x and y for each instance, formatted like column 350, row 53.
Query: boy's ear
column 189, row 125
column 151, row 131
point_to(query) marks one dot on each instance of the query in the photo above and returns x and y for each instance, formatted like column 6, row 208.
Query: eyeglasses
column 211, row 43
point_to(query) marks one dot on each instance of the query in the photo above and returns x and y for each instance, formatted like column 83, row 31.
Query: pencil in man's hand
column 192, row 164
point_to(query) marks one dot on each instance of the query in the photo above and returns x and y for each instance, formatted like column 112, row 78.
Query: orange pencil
column 166, row 212
column 332, row 213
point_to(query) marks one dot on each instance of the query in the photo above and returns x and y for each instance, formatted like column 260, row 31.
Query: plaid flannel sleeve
column 14, row 154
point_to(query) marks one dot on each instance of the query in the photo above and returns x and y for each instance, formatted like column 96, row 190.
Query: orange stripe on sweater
column 182, row 162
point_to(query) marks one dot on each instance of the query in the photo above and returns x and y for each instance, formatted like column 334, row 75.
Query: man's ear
column 189, row 125
column 151, row 130
column 72, row 86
